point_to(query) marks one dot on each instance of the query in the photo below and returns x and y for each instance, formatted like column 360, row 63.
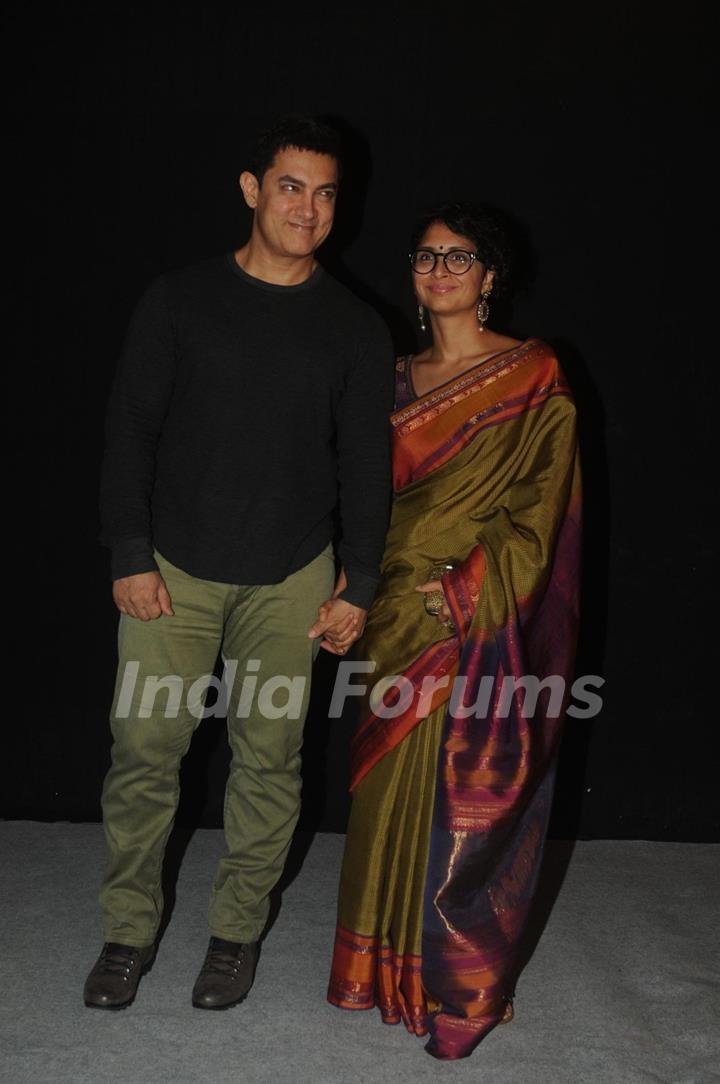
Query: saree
column 453, row 765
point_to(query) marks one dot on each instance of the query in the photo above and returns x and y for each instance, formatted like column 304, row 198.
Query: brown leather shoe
column 226, row 975
column 114, row 979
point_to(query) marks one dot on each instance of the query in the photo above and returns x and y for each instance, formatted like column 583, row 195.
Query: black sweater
column 241, row 414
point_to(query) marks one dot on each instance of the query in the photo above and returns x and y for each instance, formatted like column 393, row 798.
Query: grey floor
column 622, row 986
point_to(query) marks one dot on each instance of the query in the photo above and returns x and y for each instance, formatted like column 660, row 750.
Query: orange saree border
column 377, row 736
column 532, row 375
column 367, row 973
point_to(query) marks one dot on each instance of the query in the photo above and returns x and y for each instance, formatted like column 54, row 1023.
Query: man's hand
column 342, row 622
column 339, row 623
column 144, row 596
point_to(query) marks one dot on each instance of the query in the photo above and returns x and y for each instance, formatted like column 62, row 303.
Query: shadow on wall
column 570, row 820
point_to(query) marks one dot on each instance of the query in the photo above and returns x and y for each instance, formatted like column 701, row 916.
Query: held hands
column 443, row 617
column 339, row 622
column 144, row 596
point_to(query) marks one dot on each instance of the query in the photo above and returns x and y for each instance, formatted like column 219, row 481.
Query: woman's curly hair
column 487, row 228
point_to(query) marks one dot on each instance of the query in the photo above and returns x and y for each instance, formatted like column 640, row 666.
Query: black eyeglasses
column 457, row 261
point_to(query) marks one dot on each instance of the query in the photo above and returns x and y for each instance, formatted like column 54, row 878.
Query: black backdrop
column 127, row 129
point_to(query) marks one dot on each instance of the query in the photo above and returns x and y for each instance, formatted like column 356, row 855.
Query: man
column 251, row 398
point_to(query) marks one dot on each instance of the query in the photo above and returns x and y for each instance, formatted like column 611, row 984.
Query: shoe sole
column 123, row 1004
column 220, row 1008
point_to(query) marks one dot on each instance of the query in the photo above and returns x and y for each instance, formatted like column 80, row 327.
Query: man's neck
column 278, row 270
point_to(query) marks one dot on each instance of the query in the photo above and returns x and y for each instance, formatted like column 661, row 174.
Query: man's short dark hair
column 300, row 132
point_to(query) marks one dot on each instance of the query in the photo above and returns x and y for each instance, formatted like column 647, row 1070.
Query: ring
column 434, row 601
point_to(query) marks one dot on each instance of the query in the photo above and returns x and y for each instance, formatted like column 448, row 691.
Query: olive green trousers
column 163, row 674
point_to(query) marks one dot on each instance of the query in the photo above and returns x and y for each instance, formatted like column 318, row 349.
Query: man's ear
column 250, row 188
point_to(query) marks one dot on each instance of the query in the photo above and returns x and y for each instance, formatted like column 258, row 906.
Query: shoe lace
column 119, row 961
column 224, row 962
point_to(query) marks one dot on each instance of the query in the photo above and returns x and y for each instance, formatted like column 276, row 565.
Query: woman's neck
column 458, row 336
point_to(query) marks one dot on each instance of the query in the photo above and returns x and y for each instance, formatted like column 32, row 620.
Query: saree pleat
column 453, row 783
column 380, row 915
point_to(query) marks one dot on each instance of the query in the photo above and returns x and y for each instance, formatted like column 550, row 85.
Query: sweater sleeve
column 364, row 465
column 137, row 407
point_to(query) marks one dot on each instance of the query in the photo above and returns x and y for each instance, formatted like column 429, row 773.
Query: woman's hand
column 444, row 617
column 340, row 624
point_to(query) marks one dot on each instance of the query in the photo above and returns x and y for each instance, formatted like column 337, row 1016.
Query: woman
column 452, row 782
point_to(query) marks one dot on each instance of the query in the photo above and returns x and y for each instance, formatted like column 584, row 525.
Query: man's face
column 295, row 204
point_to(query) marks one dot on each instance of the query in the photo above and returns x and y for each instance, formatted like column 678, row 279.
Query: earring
column 421, row 317
column 483, row 311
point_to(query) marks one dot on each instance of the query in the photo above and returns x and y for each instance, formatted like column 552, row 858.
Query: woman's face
column 441, row 291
